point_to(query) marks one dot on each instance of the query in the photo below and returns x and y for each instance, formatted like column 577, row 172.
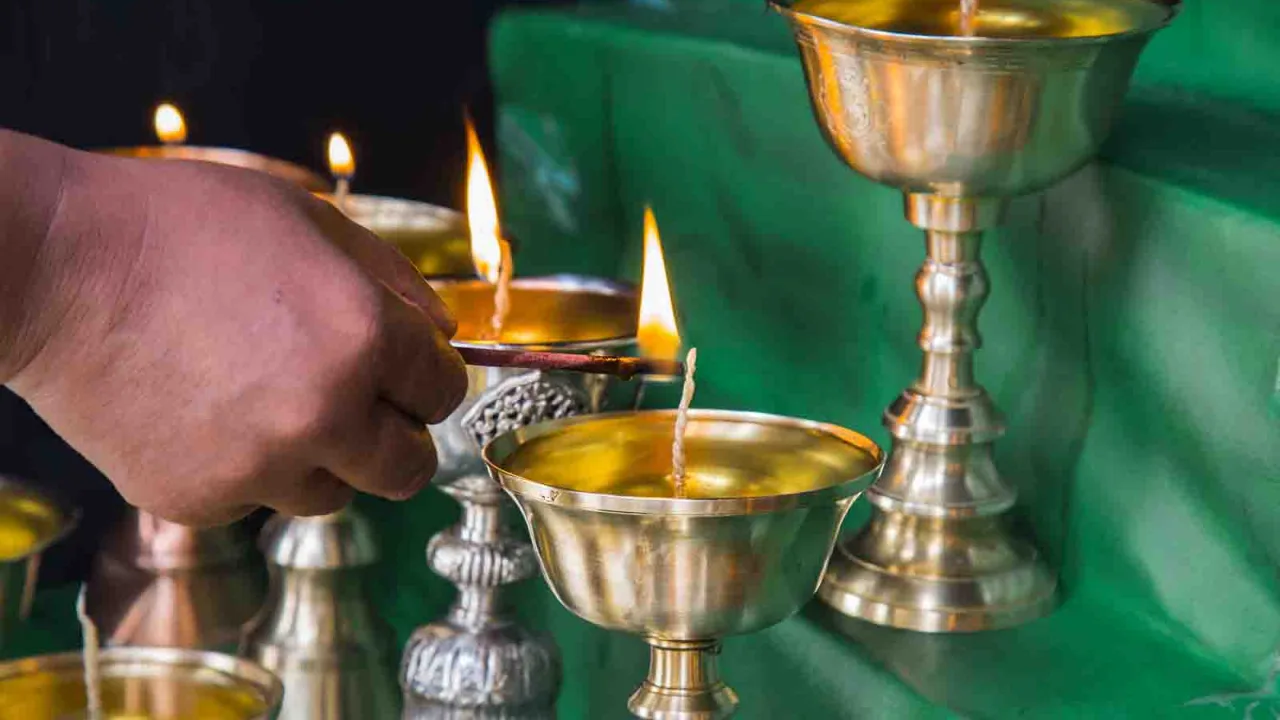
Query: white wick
column 92, row 676
column 682, row 421
column 968, row 16
column 502, row 295
column 340, row 192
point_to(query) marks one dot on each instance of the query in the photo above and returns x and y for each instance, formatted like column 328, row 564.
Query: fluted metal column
column 476, row 662
column 319, row 631
column 936, row 556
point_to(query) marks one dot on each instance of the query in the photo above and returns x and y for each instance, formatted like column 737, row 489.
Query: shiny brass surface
column 228, row 156
column 477, row 662
column 995, row 18
column 157, row 583
column 972, row 117
column 29, row 523
column 746, row 551
column 435, row 239
column 318, row 629
column 140, row 684
column 563, row 313
column 959, row 124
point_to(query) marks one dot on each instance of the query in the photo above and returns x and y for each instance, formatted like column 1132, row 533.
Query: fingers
column 318, row 493
column 383, row 261
column 200, row 516
column 418, row 371
column 392, row 458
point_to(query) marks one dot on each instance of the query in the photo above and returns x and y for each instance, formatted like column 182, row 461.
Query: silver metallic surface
column 318, row 629
column 476, row 662
column 957, row 123
column 157, row 583
column 963, row 116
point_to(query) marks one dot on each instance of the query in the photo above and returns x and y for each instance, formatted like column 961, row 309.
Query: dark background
column 272, row 76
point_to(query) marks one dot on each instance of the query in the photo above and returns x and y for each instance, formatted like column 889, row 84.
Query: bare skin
column 214, row 340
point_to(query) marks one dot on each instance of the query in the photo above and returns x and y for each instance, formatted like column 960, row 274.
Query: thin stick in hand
column 622, row 367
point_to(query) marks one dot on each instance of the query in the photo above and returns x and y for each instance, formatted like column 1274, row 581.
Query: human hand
column 214, row 340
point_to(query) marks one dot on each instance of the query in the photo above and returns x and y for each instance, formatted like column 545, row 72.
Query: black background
column 272, row 76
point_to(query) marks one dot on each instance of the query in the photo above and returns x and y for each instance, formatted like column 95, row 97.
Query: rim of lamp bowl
column 582, row 283
column 444, row 218
column 237, row 668
column 71, row 516
column 784, row 8
column 530, row 490
column 287, row 170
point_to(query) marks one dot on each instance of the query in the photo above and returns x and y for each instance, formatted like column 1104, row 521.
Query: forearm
column 70, row 223
column 31, row 190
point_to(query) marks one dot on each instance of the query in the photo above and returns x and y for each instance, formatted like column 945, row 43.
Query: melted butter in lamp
column 541, row 314
column 995, row 18
column 144, row 692
column 630, row 455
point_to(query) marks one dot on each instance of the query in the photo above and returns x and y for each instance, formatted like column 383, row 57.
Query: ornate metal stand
column 935, row 556
column 959, row 123
column 318, row 630
column 476, row 662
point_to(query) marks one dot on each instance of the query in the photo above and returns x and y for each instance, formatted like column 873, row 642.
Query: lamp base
column 970, row 577
column 683, row 683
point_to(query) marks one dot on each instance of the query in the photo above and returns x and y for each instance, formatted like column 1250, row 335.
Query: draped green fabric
column 1132, row 337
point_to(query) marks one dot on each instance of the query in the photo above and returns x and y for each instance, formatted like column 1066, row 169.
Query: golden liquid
column 994, row 18
column 58, row 695
column 631, row 455
column 540, row 316
column 27, row 521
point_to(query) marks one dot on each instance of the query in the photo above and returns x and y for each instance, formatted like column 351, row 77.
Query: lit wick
column 171, row 129
column 489, row 250
column 968, row 17
column 342, row 165
column 682, row 421
column 92, row 675
column 502, row 296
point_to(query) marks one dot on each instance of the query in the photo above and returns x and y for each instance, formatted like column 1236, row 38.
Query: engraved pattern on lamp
column 519, row 402
column 477, row 663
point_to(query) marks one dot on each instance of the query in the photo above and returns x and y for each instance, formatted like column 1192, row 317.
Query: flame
column 341, row 162
column 170, row 127
column 482, row 212
column 657, row 334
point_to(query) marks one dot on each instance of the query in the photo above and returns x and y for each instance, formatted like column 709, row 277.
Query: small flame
column 341, row 162
column 482, row 212
column 171, row 129
column 657, row 334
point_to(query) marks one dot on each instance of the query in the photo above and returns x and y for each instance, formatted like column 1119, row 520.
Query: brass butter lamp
column 743, row 549
column 477, row 661
column 171, row 131
column 433, row 238
column 960, row 123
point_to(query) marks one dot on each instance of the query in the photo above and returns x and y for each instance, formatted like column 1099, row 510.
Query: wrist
column 67, row 223
column 30, row 195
